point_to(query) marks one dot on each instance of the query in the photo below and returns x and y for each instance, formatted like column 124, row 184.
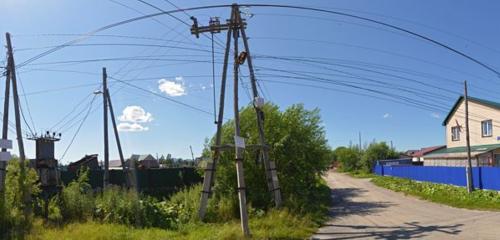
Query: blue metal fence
column 483, row 177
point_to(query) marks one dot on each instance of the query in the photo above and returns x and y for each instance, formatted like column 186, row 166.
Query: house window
column 487, row 128
column 455, row 133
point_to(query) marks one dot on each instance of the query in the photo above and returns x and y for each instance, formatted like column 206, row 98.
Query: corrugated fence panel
column 156, row 182
column 483, row 177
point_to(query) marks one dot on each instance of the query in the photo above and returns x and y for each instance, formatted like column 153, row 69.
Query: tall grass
column 276, row 224
column 442, row 193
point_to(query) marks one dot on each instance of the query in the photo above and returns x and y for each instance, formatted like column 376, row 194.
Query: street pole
column 209, row 175
column 468, row 169
column 5, row 129
column 192, row 155
column 269, row 166
column 19, row 135
column 238, row 146
column 128, row 178
column 105, row 119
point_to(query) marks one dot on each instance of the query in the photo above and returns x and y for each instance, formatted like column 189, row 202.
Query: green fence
column 156, row 182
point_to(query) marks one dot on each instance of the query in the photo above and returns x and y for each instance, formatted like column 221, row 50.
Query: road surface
column 361, row 210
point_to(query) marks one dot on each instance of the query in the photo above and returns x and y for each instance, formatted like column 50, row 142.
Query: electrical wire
column 77, row 130
column 162, row 96
column 435, row 42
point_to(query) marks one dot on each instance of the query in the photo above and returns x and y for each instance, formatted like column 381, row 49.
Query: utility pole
column 468, row 169
column 128, row 178
column 235, row 26
column 269, row 166
column 192, row 155
column 239, row 144
column 209, row 175
column 359, row 138
column 105, row 118
column 5, row 130
column 22, row 173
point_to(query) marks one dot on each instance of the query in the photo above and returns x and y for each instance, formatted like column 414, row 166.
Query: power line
column 78, row 130
column 162, row 96
column 435, row 42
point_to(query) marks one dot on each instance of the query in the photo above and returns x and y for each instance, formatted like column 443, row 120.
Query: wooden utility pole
column 105, row 118
column 468, row 169
column 22, row 172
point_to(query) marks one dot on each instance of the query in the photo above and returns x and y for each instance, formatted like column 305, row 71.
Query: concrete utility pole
column 105, row 119
column 234, row 26
column 5, row 128
column 269, row 166
column 192, row 154
column 12, row 75
column 468, row 169
column 209, row 175
column 239, row 145
column 359, row 138
column 128, row 177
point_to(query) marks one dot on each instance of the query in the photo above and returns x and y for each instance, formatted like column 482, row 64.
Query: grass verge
column 358, row 174
column 442, row 193
column 276, row 224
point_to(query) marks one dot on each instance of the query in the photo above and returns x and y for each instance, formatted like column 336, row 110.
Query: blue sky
column 432, row 75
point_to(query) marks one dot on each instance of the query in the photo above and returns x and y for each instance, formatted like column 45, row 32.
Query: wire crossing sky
column 388, row 69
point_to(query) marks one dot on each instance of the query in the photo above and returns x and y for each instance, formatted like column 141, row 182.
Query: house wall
column 477, row 113
column 484, row 160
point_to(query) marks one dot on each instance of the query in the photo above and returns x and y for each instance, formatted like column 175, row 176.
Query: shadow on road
column 342, row 205
column 409, row 230
column 345, row 203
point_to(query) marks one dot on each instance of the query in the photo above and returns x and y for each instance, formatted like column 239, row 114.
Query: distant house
column 484, row 129
column 89, row 161
column 418, row 156
column 145, row 161
column 115, row 164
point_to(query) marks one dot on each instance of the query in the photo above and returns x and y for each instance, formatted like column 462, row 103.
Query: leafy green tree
column 297, row 145
column 376, row 151
column 348, row 158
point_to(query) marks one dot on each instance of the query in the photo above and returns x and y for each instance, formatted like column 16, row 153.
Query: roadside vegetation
column 442, row 193
column 359, row 162
column 298, row 146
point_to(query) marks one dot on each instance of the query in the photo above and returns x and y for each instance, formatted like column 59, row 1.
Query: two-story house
column 484, row 131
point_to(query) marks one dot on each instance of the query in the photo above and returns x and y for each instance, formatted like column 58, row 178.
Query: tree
column 374, row 152
column 297, row 145
column 349, row 158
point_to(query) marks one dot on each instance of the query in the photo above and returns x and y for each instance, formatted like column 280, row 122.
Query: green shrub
column 55, row 215
column 187, row 202
column 376, row 151
column 20, row 180
column 121, row 206
column 77, row 200
column 298, row 147
column 348, row 158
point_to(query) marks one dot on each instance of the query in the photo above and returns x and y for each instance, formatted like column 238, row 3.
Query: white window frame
column 455, row 136
column 485, row 126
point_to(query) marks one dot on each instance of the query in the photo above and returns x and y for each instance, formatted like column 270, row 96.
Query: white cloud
column 435, row 115
column 386, row 115
column 135, row 114
column 172, row 88
column 131, row 127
